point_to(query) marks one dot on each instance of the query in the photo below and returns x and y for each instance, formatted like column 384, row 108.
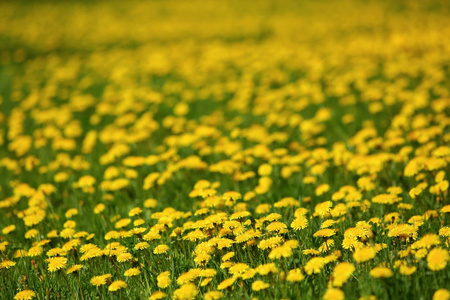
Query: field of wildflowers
column 225, row 150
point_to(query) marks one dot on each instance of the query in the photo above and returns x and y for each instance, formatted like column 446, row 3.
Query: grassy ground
column 200, row 149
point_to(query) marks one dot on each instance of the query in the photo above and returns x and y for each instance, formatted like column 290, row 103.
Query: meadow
column 224, row 150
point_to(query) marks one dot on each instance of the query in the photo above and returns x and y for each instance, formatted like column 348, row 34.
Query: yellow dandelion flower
column 74, row 269
column 122, row 223
column 334, row 294
column 441, row 294
column 403, row 231
column 150, row 203
column 124, row 257
column 299, row 223
column 322, row 189
column 56, row 263
column 187, row 291
column 444, row 231
column 9, row 229
column 427, row 241
column 259, row 285
column 99, row 208
column 31, row 233
column 213, row 295
column 281, row 251
column 35, row 251
column 132, row 272
column 386, row 199
column 161, row 249
column 134, row 212
column 266, row 269
column 342, row 272
column 295, row 275
column 6, row 264
column 364, row 254
column 445, row 209
column 71, row 212
column 327, row 232
column 226, row 283
column 315, row 265
column 157, row 295
column 25, row 295
column 117, row 285
column 238, row 268
column 381, row 272
column 164, row 280
column 141, row 246
column 437, row 259
column 265, row 170
column 406, row 270
column 100, row 280
column 322, row 209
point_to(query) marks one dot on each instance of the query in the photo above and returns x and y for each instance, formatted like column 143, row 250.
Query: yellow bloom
column 213, row 295
column 122, row 223
column 259, row 285
column 226, row 283
column 441, row 294
column 299, row 223
column 322, row 189
column 381, row 272
column 364, row 254
column 73, row 269
column 403, row 231
column 444, row 231
column 334, row 294
column 342, row 273
column 124, row 257
column 281, row 251
column 25, row 295
column 135, row 211
column 405, row 270
column 141, row 245
column 132, row 272
column 322, row 209
column 427, row 241
column 437, row 259
column 150, row 203
column 238, row 268
column 187, row 291
column 56, row 263
column 265, row 170
column 157, row 295
column 315, row 265
column 327, row 232
column 117, row 285
column 71, row 212
column 100, row 280
column 9, row 229
column 86, row 181
column 6, row 264
column 164, row 280
column 31, row 233
column 99, row 208
column 295, row 275
column 266, row 269
column 386, row 199
column 160, row 249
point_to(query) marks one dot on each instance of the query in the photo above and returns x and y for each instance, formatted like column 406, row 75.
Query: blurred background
column 46, row 26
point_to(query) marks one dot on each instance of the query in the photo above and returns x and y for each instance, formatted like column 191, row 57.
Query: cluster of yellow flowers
column 202, row 160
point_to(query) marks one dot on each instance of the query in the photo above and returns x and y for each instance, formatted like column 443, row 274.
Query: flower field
column 225, row 150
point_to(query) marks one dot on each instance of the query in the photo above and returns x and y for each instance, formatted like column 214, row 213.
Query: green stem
column 68, row 285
